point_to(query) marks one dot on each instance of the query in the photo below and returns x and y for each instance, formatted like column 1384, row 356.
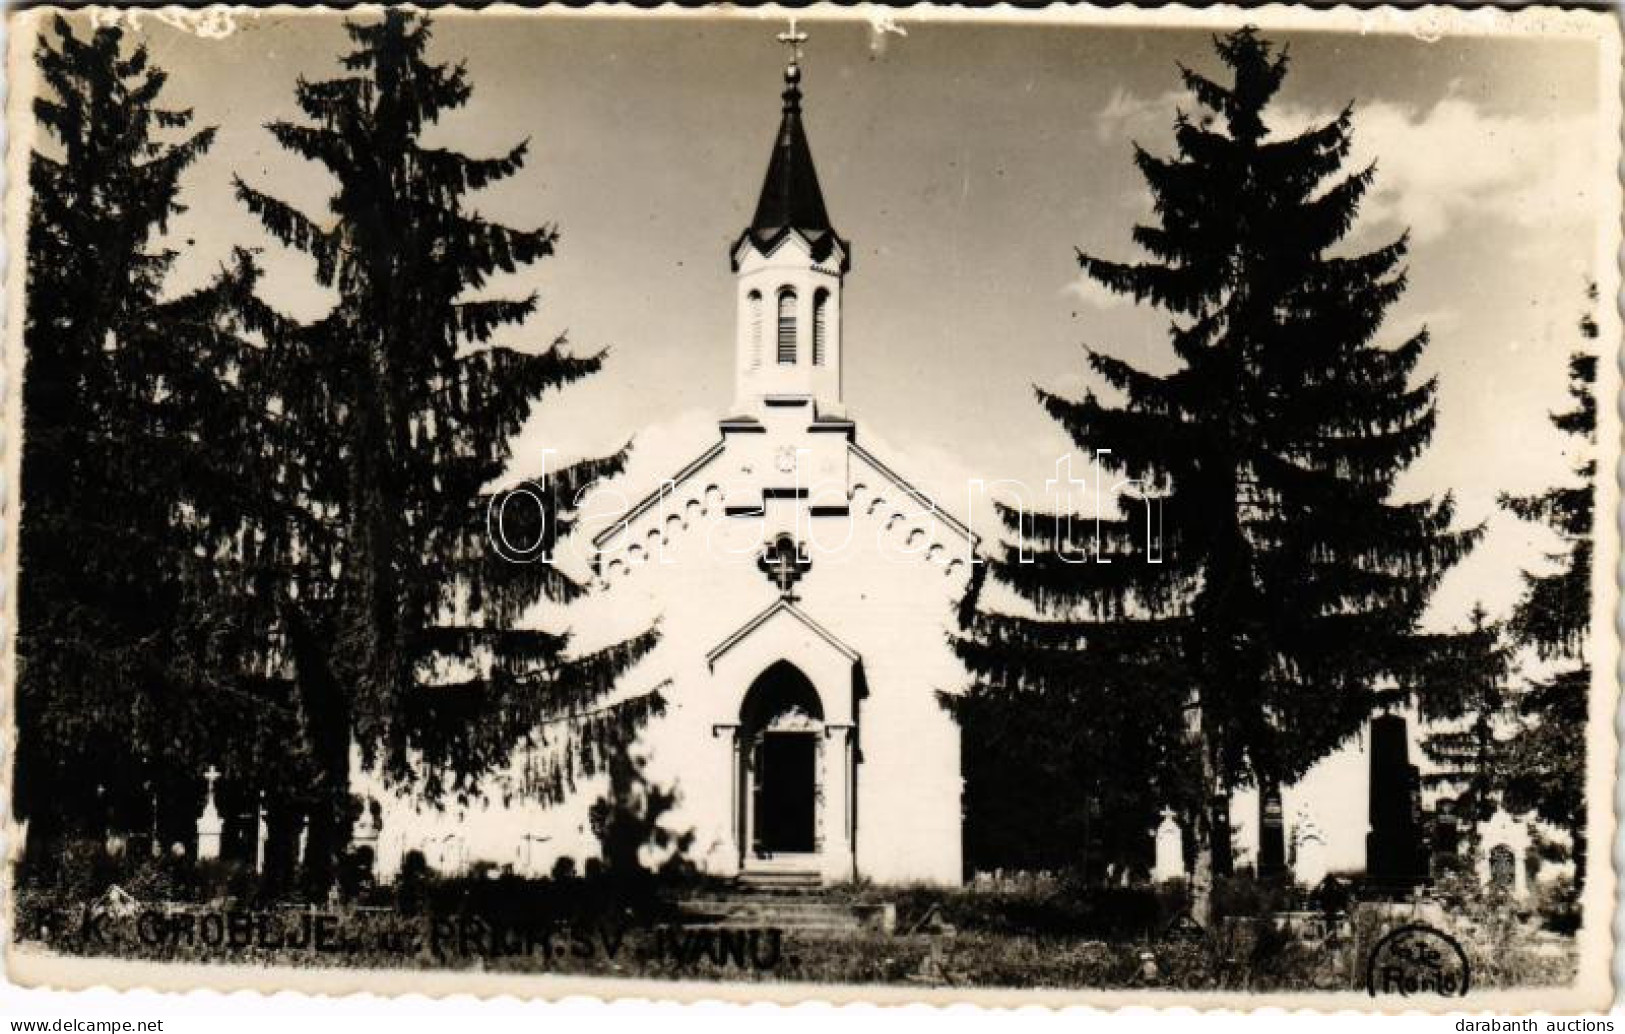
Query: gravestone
column 1503, row 868
column 1271, row 837
column 1309, row 853
column 1393, row 847
column 1444, row 839
column 1224, row 862
column 1502, row 844
column 934, row 966
column 364, row 844
column 210, row 825
column 366, row 830
column 262, row 835
column 116, row 903
column 1170, row 863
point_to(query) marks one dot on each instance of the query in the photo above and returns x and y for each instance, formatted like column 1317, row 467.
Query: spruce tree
column 406, row 631
column 113, row 665
column 1285, row 603
column 1073, row 741
column 1553, row 618
column 1474, row 714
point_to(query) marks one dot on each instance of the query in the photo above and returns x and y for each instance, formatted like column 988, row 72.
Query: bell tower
column 788, row 269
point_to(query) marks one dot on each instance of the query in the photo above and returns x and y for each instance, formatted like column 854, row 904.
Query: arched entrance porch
column 782, row 763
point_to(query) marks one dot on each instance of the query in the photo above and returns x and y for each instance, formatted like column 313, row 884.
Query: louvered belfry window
column 787, row 327
column 755, row 303
column 820, row 312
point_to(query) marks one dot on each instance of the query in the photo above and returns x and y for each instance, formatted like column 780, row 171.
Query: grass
column 1060, row 936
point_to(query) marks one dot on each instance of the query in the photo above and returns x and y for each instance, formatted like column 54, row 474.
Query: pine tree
column 117, row 390
column 393, row 417
column 1474, row 716
column 1287, row 598
column 1553, row 618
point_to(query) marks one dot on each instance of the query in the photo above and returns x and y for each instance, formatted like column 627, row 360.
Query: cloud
column 1454, row 164
column 1089, row 291
column 1438, row 167
column 1131, row 116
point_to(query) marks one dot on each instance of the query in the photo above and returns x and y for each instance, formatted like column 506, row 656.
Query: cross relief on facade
column 784, row 563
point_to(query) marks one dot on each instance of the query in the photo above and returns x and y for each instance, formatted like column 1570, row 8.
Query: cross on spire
column 793, row 38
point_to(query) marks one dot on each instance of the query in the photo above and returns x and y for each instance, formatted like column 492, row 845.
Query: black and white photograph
column 901, row 505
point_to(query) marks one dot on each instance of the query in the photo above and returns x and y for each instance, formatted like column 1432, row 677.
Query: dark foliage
column 631, row 819
column 388, row 422
column 1285, row 602
column 1553, row 618
column 118, row 673
column 1475, row 715
column 1046, row 791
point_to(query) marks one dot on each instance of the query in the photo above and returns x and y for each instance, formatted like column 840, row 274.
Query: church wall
column 874, row 588
column 701, row 583
column 895, row 608
column 909, row 796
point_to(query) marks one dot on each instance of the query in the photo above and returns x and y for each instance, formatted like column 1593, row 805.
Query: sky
column 965, row 163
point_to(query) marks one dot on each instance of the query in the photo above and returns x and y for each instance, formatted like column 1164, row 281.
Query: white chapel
column 806, row 591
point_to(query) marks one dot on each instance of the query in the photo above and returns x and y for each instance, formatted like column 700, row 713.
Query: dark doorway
column 786, row 787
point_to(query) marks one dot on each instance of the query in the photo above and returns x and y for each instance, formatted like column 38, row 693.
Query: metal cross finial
column 211, row 775
column 793, row 39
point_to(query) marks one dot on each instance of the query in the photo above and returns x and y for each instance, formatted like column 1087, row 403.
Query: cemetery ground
column 1048, row 931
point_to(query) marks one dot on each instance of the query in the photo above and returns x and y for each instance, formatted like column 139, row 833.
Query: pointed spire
column 790, row 194
column 791, row 198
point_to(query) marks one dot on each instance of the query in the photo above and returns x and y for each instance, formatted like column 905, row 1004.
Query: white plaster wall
column 883, row 581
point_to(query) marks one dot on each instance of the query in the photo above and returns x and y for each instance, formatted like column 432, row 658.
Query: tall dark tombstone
column 1271, row 836
column 1393, row 848
column 1224, row 855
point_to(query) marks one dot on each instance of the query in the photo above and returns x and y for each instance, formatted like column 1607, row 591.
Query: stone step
column 850, row 925
column 754, row 903
column 798, row 914
column 799, row 879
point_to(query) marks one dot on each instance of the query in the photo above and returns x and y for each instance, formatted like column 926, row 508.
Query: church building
column 805, row 591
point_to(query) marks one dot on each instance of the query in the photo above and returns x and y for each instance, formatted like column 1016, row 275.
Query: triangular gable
column 780, row 606
column 669, row 486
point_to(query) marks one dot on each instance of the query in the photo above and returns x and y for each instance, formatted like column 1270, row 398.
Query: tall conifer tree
column 117, row 390
column 394, row 416
column 1475, row 708
column 1290, row 582
column 1554, row 619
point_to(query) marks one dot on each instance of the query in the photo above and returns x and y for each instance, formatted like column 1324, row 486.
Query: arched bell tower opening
column 781, row 724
